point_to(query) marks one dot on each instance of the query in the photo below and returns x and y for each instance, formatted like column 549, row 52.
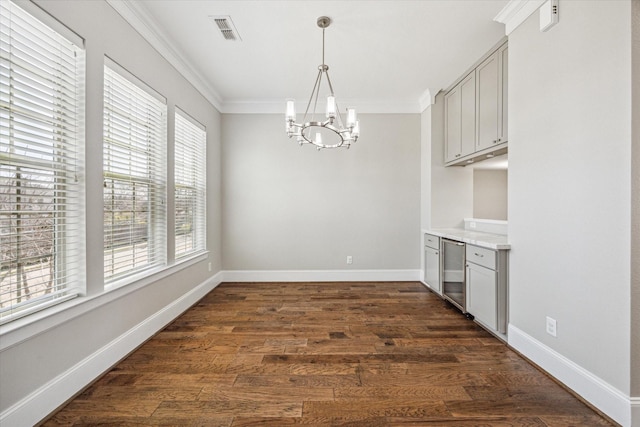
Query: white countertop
column 478, row 238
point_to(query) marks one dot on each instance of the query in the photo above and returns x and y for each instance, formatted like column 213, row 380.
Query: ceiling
column 384, row 56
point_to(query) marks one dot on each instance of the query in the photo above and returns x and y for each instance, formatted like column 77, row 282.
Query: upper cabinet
column 476, row 112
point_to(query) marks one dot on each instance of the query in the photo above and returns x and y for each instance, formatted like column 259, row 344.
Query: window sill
column 22, row 329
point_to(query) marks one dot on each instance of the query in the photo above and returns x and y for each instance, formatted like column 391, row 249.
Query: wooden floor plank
column 186, row 410
column 324, row 354
column 377, row 408
column 266, row 393
column 438, row 393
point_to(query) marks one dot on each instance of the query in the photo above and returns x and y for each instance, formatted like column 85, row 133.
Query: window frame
column 190, row 164
column 42, row 122
column 154, row 175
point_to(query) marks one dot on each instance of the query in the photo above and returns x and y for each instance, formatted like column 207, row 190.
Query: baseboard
column 321, row 275
column 635, row 412
column 39, row 404
column 611, row 401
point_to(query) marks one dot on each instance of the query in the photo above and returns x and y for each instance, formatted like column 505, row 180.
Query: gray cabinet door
column 504, row 95
column 460, row 119
column 432, row 269
column 468, row 115
column 488, row 89
column 482, row 295
column 452, row 124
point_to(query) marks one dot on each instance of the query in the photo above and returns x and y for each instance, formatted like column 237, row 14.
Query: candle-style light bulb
column 291, row 110
column 331, row 107
column 351, row 117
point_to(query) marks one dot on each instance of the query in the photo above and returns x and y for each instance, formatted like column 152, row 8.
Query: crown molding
column 516, row 12
column 135, row 14
column 427, row 99
column 140, row 20
column 363, row 106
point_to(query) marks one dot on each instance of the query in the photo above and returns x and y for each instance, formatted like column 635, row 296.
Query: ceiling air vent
column 226, row 27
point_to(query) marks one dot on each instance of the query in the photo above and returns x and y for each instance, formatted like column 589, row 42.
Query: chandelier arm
column 329, row 81
column 316, row 86
column 338, row 120
column 317, row 90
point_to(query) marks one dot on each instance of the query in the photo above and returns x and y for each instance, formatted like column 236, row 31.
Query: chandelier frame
column 302, row 131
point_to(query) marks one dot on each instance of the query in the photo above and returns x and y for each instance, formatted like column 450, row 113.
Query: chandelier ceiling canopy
column 311, row 130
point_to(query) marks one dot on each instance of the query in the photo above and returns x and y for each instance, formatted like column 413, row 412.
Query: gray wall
column 37, row 358
column 569, row 185
column 490, row 194
column 451, row 188
column 426, row 144
column 287, row 207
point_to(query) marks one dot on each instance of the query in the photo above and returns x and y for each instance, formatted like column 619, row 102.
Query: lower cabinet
column 432, row 263
column 481, row 295
column 486, row 287
column 473, row 278
column 432, row 269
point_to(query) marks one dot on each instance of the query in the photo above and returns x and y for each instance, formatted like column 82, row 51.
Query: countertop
column 478, row 238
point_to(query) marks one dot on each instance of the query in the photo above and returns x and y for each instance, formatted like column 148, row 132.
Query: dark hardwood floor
column 343, row 354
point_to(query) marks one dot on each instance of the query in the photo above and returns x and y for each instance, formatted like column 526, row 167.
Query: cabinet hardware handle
column 436, row 253
column 499, row 140
column 495, row 140
column 478, row 255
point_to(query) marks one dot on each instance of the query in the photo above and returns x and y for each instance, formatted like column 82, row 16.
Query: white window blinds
column 134, row 169
column 41, row 155
column 190, row 185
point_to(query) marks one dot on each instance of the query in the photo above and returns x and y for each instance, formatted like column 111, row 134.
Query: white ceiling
column 383, row 56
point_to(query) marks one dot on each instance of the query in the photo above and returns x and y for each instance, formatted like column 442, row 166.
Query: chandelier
column 310, row 131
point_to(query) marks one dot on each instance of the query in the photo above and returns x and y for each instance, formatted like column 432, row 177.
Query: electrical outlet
column 551, row 326
column 209, row 266
column 349, row 259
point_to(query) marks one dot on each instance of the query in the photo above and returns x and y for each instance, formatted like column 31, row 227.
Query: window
column 190, row 185
column 41, row 155
column 134, row 175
